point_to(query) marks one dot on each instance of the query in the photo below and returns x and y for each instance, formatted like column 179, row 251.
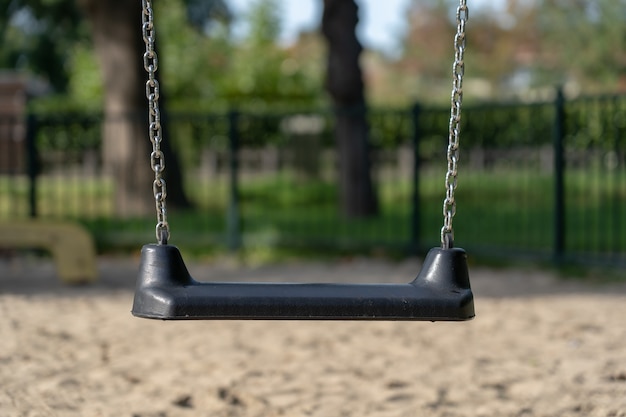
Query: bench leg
column 71, row 246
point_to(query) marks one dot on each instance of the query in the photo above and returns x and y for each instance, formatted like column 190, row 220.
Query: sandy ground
column 539, row 346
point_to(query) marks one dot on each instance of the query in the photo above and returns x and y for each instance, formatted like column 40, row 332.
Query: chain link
column 157, row 159
column 458, row 70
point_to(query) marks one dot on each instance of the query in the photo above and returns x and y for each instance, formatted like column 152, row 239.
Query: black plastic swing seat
column 166, row 291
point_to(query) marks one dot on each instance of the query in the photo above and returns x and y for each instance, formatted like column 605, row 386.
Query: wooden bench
column 70, row 245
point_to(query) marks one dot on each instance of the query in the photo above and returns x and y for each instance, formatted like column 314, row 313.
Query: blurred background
column 321, row 126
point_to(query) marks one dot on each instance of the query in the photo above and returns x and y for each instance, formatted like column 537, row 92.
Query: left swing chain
column 157, row 159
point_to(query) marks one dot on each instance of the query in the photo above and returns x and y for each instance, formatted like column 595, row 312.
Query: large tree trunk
column 344, row 83
column 119, row 46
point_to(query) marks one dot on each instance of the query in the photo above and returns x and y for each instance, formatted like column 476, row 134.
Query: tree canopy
column 39, row 37
column 522, row 47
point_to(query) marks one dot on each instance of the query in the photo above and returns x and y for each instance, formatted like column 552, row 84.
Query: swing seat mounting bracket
column 165, row 290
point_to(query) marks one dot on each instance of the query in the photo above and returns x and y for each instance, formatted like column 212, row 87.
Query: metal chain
column 157, row 159
column 458, row 69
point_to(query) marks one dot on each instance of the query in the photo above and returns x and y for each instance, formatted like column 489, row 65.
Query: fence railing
column 543, row 180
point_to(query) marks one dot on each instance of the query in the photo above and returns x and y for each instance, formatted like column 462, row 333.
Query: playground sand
column 539, row 346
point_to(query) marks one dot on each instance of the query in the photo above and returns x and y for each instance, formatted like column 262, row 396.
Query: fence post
column 32, row 163
column 233, row 223
column 415, row 198
column 559, row 176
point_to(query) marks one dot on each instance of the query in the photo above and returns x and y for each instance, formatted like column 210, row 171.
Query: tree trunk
column 344, row 83
column 119, row 46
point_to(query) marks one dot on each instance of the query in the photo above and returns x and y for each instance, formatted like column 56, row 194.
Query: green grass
column 58, row 196
column 501, row 211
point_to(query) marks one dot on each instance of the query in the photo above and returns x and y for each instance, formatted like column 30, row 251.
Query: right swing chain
column 458, row 69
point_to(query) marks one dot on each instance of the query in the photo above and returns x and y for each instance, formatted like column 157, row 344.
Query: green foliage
column 265, row 24
column 85, row 86
column 38, row 37
column 587, row 39
column 192, row 63
column 202, row 66
column 262, row 74
column 516, row 48
column 211, row 71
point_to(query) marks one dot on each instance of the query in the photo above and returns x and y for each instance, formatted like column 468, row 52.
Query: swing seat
column 166, row 291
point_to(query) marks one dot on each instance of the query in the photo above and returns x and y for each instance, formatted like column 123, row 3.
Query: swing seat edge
column 166, row 291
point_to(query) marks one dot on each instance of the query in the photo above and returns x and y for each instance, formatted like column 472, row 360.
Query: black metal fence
column 543, row 180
